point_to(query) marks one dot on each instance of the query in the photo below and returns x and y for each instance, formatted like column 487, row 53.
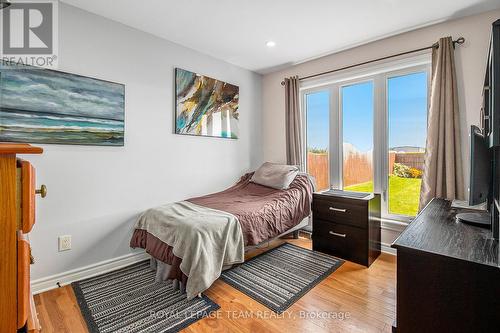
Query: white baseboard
column 386, row 248
column 50, row 282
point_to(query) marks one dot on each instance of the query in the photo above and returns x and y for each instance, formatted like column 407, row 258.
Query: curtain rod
column 459, row 41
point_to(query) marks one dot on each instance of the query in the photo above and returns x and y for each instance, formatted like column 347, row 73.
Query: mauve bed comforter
column 262, row 212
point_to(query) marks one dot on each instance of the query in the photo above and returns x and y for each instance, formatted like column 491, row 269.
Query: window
column 366, row 132
column 407, row 131
column 357, row 137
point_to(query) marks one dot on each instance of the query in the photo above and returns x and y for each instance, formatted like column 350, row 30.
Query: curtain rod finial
column 460, row 40
column 282, row 83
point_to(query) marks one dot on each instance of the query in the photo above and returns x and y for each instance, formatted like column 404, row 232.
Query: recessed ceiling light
column 270, row 43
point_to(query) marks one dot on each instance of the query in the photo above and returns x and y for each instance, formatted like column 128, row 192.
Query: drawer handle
column 338, row 209
column 336, row 234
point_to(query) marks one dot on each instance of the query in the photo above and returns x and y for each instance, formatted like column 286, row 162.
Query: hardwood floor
column 364, row 297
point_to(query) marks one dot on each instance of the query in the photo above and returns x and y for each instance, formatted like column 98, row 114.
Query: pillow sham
column 278, row 176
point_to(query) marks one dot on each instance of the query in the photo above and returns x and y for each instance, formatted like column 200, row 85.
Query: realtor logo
column 29, row 33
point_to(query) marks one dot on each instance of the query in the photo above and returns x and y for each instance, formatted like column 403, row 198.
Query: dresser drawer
column 339, row 210
column 28, row 191
column 341, row 241
column 23, row 279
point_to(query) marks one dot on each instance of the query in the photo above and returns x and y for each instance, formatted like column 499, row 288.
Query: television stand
column 447, row 274
column 479, row 219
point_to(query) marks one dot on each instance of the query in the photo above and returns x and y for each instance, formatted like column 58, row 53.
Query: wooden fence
column 413, row 160
column 318, row 167
column 357, row 168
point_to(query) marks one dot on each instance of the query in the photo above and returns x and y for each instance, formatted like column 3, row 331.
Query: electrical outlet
column 64, row 243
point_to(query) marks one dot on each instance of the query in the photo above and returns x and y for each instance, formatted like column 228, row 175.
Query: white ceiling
column 237, row 30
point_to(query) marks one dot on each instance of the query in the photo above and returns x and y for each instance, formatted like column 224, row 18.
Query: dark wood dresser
column 347, row 225
column 448, row 274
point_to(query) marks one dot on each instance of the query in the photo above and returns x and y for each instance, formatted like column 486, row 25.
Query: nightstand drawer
column 341, row 211
column 341, row 241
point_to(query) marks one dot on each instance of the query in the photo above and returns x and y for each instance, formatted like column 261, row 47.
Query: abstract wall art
column 205, row 106
column 46, row 106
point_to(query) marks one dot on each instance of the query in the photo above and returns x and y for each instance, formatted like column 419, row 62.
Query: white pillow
column 277, row 176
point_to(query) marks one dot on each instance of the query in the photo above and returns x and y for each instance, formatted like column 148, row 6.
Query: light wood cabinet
column 17, row 217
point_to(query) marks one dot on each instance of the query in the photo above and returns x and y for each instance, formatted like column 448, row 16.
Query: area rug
column 129, row 300
column 279, row 277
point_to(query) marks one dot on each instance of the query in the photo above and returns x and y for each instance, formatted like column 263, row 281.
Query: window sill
column 393, row 225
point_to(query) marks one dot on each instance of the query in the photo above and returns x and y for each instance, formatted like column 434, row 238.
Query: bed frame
column 294, row 230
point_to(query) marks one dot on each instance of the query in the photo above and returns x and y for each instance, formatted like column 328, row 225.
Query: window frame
column 379, row 74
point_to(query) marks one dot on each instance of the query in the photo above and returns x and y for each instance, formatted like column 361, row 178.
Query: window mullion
column 380, row 140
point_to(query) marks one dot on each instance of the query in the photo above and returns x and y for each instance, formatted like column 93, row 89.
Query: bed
column 192, row 241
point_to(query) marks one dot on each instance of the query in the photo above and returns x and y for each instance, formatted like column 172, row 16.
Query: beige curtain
column 443, row 175
column 293, row 121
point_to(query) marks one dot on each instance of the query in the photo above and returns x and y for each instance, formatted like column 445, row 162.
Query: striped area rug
column 279, row 277
column 129, row 300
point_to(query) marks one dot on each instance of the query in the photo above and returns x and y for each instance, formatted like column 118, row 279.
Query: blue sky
column 357, row 115
column 407, row 113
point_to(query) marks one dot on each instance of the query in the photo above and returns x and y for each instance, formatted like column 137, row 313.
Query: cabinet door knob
column 42, row 191
column 337, row 234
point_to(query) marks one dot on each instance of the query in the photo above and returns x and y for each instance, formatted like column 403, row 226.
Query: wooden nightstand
column 347, row 225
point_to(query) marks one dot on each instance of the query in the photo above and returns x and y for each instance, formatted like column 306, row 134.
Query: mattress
column 263, row 213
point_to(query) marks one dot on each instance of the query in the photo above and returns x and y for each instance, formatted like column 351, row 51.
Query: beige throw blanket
column 205, row 239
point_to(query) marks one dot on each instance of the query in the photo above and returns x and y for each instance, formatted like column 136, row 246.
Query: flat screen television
column 480, row 179
column 480, row 167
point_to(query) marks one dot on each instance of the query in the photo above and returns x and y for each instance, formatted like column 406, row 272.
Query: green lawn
column 403, row 194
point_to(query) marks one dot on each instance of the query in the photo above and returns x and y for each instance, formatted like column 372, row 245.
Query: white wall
column 96, row 193
column 470, row 60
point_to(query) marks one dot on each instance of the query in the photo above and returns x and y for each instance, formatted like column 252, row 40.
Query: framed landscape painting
column 205, row 106
column 46, row 106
